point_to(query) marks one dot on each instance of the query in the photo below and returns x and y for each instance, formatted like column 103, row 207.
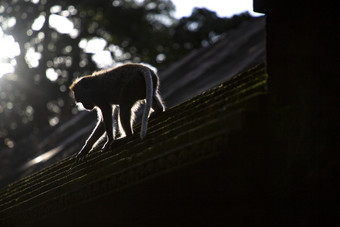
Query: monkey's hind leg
column 157, row 104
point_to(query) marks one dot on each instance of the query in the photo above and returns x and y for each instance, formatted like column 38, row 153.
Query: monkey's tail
column 148, row 101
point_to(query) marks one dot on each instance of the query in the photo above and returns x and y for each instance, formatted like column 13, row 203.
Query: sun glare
column 32, row 57
column 101, row 57
column 9, row 50
column 51, row 74
column 61, row 24
column 38, row 23
column 43, row 158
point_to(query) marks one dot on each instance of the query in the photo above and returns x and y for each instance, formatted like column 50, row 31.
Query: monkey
column 121, row 87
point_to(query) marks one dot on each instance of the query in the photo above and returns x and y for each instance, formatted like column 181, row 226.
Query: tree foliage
column 55, row 44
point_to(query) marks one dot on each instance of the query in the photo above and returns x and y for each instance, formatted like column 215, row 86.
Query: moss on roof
column 185, row 134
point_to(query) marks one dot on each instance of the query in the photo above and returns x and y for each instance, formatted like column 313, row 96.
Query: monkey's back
column 123, row 83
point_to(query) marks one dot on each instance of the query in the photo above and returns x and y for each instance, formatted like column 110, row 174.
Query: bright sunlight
column 9, row 50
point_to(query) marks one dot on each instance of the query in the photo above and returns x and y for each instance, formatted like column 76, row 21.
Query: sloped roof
column 192, row 132
column 205, row 68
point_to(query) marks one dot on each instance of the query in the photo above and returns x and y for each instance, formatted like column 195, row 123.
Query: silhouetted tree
column 203, row 27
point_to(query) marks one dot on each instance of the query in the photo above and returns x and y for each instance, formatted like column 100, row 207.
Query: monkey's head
column 82, row 93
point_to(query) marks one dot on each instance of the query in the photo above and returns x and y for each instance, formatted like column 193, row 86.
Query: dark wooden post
column 303, row 114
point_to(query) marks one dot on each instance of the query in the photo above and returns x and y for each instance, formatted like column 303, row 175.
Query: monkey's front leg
column 96, row 133
column 107, row 121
